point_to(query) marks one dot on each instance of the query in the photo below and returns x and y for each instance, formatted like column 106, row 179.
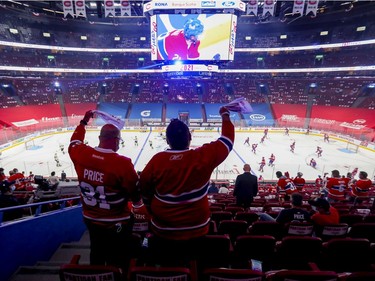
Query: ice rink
column 40, row 159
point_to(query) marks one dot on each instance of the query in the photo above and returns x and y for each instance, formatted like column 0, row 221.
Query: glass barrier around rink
column 30, row 138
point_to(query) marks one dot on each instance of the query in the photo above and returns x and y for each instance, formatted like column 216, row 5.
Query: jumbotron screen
column 206, row 37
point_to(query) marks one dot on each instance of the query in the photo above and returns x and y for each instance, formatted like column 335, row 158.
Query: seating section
column 156, row 89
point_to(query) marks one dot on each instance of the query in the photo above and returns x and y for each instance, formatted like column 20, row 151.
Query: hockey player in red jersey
column 174, row 186
column 107, row 181
column 262, row 164
column 181, row 44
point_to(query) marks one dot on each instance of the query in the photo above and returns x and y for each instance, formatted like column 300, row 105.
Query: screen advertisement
column 193, row 37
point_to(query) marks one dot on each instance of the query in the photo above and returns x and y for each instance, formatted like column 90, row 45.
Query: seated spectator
column 359, row 189
column 285, row 186
column 18, row 178
column 53, row 180
column 295, row 213
column 299, row 181
column 63, row 176
column 213, row 188
column 224, row 189
column 2, row 175
column 336, row 187
column 7, row 199
column 324, row 214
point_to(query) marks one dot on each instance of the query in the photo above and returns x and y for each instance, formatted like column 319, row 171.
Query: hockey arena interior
column 306, row 69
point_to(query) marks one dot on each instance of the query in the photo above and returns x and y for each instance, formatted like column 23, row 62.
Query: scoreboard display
column 199, row 31
column 206, row 37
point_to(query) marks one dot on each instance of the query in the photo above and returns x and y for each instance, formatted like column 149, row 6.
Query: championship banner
column 298, row 6
column 109, row 8
column 312, row 6
column 252, row 7
column 125, row 8
column 80, row 8
column 268, row 7
column 68, row 8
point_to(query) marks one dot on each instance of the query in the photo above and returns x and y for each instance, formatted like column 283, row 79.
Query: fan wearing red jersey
column 299, row 181
column 174, row 186
column 107, row 181
column 285, row 186
column 336, row 187
column 360, row 188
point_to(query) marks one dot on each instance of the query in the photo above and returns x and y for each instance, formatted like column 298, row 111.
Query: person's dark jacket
column 246, row 188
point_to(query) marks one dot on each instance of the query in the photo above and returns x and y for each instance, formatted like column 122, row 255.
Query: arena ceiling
column 283, row 10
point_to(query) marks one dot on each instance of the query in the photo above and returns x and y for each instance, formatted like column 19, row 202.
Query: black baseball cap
column 320, row 202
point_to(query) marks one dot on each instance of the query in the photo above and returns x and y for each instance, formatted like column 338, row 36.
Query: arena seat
column 215, row 251
column 272, row 228
column 257, row 247
column 233, row 228
column 230, row 274
column 331, row 231
column 358, row 276
column 347, row 255
column 302, row 275
column 363, row 230
column 147, row 272
column 75, row 271
column 297, row 252
column 217, row 217
column 351, row 219
column 299, row 229
column 249, row 217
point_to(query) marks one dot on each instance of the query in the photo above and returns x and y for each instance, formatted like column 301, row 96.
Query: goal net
column 30, row 145
column 352, row 147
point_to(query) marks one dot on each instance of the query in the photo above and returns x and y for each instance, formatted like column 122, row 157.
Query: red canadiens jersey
column 173, row 46
column 336, row 188
column 20, row 181
column 319, row 182
column 299, row 183
column 286, row 185
column 361, row 188
column 107, row 180
column 174, row 185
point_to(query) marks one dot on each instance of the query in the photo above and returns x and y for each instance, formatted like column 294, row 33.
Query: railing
column 36, row 209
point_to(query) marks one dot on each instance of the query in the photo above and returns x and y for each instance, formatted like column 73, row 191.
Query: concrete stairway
column 49, row 270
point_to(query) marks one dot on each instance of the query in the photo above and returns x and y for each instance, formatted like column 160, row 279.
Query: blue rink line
column 243, row 160
column 143, row 146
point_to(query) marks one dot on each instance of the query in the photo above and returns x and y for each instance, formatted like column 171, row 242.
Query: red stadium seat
column 146, row 272
column 230, row 274
column 233, row 228
column 256, row 247
column 302, row 275
column 75, row 271
column 297, row 252
column 347, row 255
